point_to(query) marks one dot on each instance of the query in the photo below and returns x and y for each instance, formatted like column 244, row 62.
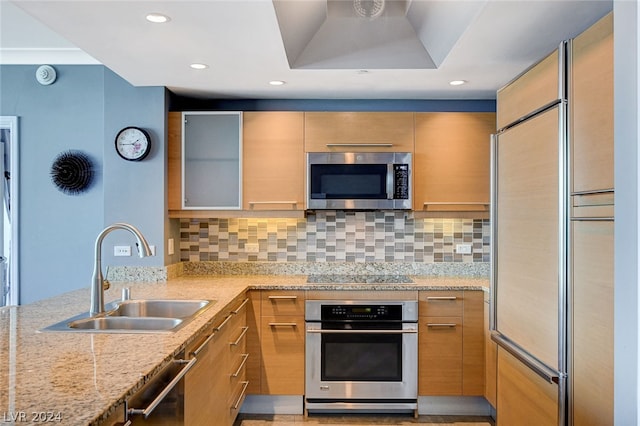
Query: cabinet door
column 591, row 374
column 473, row 344
column 174, row 161
column 282, row 348
column 524, row 398
column 253, row 342
column 211, row 166
column 452, row 161
column 359, row 131
column 440, row 356
column 273, row 160
column 537, row 87
column 206, row 386
column 591, row 107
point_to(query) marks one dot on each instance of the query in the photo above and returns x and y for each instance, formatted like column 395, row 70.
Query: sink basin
column 136, row 316
column 126, row 323
column 159, row 308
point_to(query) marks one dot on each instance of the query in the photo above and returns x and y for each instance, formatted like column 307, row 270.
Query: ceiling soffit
column 330, row 34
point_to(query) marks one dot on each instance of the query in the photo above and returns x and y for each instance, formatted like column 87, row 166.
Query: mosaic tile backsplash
column 335, row 236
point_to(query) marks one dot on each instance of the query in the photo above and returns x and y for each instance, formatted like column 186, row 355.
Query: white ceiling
column 321, row 48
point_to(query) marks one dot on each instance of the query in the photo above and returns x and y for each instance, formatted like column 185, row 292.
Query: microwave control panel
column 401, row 181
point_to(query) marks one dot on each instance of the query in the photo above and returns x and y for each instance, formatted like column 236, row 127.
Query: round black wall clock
column 133, row 143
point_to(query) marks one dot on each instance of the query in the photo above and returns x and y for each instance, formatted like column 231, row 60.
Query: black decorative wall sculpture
column 72, row 172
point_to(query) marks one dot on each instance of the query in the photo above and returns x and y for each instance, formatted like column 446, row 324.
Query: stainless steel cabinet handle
column 240, row 307
column 593, row 219
column 252, row 203
column 244, row 389
column 244, row 361
column 237, row 342
column 226, row 320
column 442, row 298
column 441, row 325
column 147, row 411
column 381, row 144
column 455, row 203
column 283, row 324
column 197, row 351
column 283, row 297
column 363, row 331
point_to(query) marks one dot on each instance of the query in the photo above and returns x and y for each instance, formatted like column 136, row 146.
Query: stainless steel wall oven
column 361, row 355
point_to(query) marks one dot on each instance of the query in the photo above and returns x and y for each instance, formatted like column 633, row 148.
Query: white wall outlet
column 463, row 248
column 170, row 247
column 122, row 250
column 252, row 247
column 153, row 250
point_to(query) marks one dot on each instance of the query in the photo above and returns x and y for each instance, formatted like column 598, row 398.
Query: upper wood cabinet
column 273, row 161
column 452, row 161
column 174, row 161
column 591, row 108
column 359, row 131
column 537, row 87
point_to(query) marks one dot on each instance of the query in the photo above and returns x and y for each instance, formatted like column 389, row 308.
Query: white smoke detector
column 46, row 75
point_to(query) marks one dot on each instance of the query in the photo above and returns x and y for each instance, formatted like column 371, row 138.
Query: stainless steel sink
column 125, row 323
column 159, row 308
column 136, row 316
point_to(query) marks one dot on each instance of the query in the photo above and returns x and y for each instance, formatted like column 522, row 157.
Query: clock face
column 133, row 143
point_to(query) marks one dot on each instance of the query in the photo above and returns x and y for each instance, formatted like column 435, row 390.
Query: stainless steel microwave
column 359, row 180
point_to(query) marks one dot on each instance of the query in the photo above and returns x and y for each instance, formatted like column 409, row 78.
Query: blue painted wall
column 82, row 110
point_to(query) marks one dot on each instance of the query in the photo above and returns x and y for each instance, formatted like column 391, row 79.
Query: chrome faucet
column 97, row 281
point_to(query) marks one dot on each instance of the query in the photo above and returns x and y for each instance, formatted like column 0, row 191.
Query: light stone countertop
column 83, row 377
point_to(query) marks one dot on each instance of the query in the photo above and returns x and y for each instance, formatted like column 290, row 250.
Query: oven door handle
column 363, row 331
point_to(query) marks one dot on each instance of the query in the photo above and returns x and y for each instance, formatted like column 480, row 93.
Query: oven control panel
column 361, row 313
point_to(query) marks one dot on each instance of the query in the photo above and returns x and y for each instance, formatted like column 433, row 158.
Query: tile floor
column 360, row 420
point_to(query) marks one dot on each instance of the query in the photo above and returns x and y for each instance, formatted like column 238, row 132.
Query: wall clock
column 133, row 143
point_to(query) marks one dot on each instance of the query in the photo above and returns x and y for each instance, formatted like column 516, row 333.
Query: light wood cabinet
column 216, row 385
column 591, row 108
column 525, row 399
column 282, row 342
column 491, row 358
column 452, row 161
column 273, row 161
column 451, row 343
column 535, row 88
column 174, row 161
column 359, row 131
column 254, row 363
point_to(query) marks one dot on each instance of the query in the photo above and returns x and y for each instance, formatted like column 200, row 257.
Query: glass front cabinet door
column 211, row 160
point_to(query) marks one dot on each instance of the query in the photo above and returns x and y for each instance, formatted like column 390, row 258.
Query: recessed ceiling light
column 157, row 18
column 457, row 82
column 276, row 82
column 199, row 66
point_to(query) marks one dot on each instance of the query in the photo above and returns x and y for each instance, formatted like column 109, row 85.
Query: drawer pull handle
column 283, row 297
column 196, row 352
column 244, row 389
column 283, row 324
column 370, row 144
column 240, row 307
column 442, row 298
column 450, row 325
column 237, row 342
column 221, row 326
column 244, row 361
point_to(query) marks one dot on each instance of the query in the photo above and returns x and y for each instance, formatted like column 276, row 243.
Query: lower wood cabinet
column 279, row 321
column 216, row 386
column 490, row 357
column 451, row 343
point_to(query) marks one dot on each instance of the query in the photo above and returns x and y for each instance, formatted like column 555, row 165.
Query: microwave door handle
column 390, row 181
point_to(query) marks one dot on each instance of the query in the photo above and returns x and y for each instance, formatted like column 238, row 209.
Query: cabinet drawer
column 282, row 303
column 282, row 344
column 440, row 303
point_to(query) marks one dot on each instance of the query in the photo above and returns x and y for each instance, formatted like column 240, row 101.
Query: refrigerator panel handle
column 547, row 373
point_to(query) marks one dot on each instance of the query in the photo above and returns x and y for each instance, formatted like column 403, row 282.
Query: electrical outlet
column 153, row 250
column 252, row 247
column 170, row 247
column 122, row 250
column 463, row 248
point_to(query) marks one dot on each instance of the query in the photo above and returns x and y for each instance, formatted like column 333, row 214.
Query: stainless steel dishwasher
column 161, row 400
